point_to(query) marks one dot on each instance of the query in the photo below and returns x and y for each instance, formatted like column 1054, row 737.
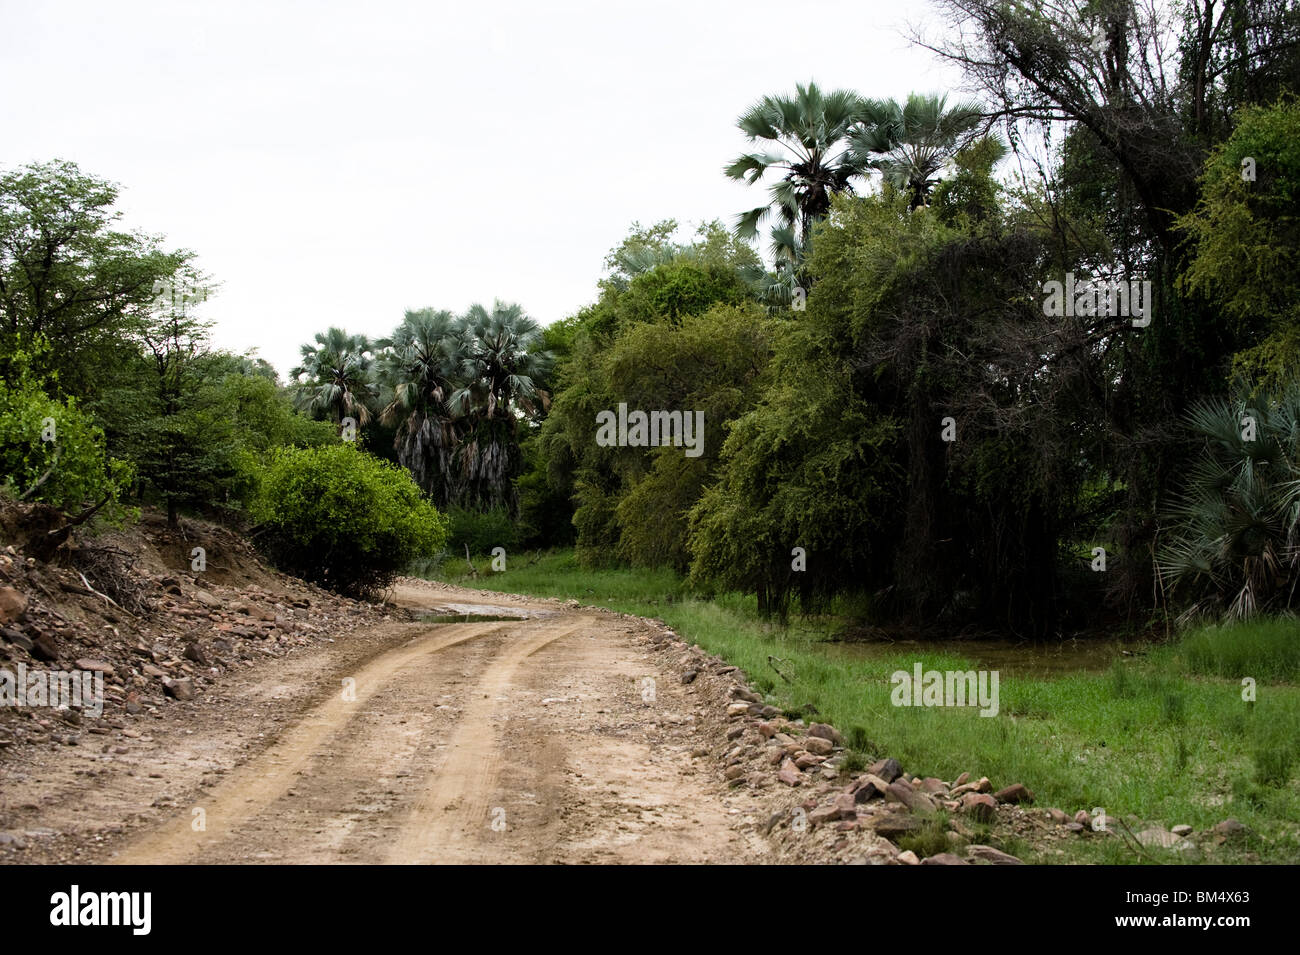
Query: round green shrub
column 343, row 519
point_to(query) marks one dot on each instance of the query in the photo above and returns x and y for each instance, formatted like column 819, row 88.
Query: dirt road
column 555, row 737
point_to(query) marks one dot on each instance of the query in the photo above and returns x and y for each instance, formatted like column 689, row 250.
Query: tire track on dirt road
column 257, row 784
column 456, row 803
column 569, row 719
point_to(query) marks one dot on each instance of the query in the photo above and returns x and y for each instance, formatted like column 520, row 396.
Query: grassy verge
column 1164, row 738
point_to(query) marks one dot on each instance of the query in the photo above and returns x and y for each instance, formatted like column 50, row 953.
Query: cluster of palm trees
column 455, row 389
column 820, row 143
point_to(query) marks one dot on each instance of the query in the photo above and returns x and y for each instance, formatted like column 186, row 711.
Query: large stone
column 826, row 731
column 17, row 638
column 182, row 689
column 893, row 826
column 822, row 815
column 818, row 746
column 209, row 601
column 13, row 604
column 1231, row 830
column 846, row 805
column 808, row 760
column 790, row 773
column 934, row 786
column 869, row 787
column 1158, row 838
column 95, row 666
column 992, row 856
column 1015, row 793
column 887, row 769
column 45, row 647
column 737, row 709
column 913, row 799
column 944, row 858
column 980, row 806
column 908, row 858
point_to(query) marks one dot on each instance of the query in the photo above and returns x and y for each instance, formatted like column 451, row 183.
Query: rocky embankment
column 166, row 638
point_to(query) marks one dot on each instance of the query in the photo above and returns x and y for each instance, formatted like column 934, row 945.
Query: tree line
column 896, row 418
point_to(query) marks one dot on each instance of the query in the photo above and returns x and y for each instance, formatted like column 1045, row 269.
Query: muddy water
column 1025, row 660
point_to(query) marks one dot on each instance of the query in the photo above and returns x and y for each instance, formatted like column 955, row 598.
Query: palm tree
column 910, row 143
column 501, row 373
column 338, row 377
column 420, row 368
column 1236, row 541
column 814, row 160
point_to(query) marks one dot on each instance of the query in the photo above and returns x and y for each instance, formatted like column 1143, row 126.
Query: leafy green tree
column 921, row 321
column 811, row 467
column 240, row 420
column 1137, row 116
column 1245, row 239
column 184, row 448
column 545, row 510
column 261, row 411
column 709, row 366
column 69, row 273
column 683, row 282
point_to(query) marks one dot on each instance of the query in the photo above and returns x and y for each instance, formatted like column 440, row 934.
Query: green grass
column 1267, row 649
column 1164, row 738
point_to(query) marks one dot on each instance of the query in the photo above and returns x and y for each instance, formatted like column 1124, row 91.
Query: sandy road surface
column 528, row 740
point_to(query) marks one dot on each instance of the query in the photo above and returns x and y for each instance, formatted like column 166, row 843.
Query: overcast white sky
column 337, row 163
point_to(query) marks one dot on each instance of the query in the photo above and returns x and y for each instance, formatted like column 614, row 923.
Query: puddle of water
column 464, row 618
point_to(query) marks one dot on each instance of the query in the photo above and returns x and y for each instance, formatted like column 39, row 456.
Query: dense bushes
column 676, row 329
column 1245, row 238
column 342, row 518
column 481, row 531
column 68, row 471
